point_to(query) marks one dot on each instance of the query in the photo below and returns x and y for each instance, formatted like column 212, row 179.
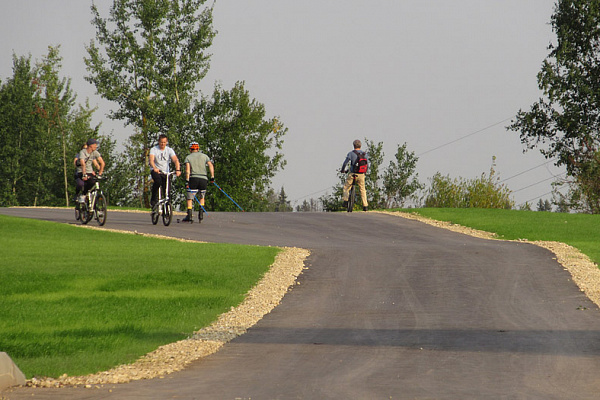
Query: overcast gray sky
column 445, row 77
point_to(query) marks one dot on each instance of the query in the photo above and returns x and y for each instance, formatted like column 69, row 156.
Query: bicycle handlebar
column 170, row 173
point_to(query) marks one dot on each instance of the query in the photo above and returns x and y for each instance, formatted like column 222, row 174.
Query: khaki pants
column 360, row 181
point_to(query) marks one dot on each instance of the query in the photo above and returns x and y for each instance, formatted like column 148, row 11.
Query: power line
column 530, row 169
column 464, row 137
column 537, row 183
column 539, row 197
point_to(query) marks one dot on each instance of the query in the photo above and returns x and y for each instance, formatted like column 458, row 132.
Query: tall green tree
column 150, row 56
column 565, row 124
column 19, row 126
column 55, row 99
column 41, row 132
column 400, row 180
column 243, row 143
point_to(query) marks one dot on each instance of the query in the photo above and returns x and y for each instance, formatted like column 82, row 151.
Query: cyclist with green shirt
column 198, row 168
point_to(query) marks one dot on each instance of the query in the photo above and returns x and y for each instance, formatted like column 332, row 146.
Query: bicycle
column 94, row 205
column 164, row 206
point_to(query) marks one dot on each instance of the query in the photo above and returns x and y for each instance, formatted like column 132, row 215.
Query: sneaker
column 365, row 208
column 81, row 198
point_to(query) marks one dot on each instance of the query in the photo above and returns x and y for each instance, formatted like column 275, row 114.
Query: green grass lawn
column 78, row 301
column 581, row 231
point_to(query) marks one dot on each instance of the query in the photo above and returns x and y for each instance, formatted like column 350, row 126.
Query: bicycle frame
column 92, row 195
column 161, row 202
column 90, row 205
column 163, row 206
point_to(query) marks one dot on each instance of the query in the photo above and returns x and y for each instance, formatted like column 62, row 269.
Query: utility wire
column 537, row 183
column 539, row 197
column 530, row 169
column 464, row 137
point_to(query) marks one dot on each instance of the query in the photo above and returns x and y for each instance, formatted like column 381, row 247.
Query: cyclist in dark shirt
column 351, row 159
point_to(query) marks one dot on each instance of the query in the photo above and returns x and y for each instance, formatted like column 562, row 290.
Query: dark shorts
column 198, row 183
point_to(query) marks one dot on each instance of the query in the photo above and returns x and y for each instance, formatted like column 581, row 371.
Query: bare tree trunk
column 64, row 148
column 146, row 153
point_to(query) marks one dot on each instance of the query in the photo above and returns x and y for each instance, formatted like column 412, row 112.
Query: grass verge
column 578, row 230
column 79, row 301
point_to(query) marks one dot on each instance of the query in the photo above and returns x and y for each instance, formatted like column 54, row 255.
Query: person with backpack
column 358, row 167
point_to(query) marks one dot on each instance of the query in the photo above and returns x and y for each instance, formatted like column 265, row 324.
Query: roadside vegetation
column 79, row 301
column 578, row 230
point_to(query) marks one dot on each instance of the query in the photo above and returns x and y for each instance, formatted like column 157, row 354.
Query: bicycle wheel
column 351, row 199
column 167, row 213
column 100, row 209
column 77, row 212
column 154, row 214
column 85, row 213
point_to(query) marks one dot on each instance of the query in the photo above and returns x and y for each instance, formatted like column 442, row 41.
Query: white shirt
column 162, row 158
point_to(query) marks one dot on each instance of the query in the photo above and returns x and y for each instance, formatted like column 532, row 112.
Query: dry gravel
column 267, row 295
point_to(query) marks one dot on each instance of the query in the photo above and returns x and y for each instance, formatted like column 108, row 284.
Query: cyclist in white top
column 160, row 159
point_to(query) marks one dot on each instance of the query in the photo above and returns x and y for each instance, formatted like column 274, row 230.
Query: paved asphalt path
column 389, row 309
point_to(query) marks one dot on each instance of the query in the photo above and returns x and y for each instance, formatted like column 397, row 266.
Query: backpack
column 362, row 164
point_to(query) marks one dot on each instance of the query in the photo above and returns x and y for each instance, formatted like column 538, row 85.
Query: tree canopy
column 150, row 56
column 232, row 129
column 41, row 130
column 565, row 124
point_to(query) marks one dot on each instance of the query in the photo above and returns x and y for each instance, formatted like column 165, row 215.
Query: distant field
column 78, row 301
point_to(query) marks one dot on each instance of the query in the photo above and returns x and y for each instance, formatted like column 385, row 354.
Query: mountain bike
column 352, row 194
column 94, row 205
column 163, row 206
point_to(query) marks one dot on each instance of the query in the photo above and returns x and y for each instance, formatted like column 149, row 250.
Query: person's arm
column 177, row 165
column 344, row 164
column 102, row 165
column 211, row 169
column 151, row 162
column 84, row 174
column 187, row 172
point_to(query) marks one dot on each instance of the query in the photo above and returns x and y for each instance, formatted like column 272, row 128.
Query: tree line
column 147, row 58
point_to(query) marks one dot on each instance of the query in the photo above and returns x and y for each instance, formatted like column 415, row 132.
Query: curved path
column 389, row 309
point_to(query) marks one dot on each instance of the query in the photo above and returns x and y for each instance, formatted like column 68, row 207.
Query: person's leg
column 79, row 185
column 191, row 193
column 346, row 191
column 156, row 183
column 363, row 190
column 202, row 186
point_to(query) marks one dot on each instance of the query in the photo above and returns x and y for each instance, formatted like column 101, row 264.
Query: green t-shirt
column 197, row 163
